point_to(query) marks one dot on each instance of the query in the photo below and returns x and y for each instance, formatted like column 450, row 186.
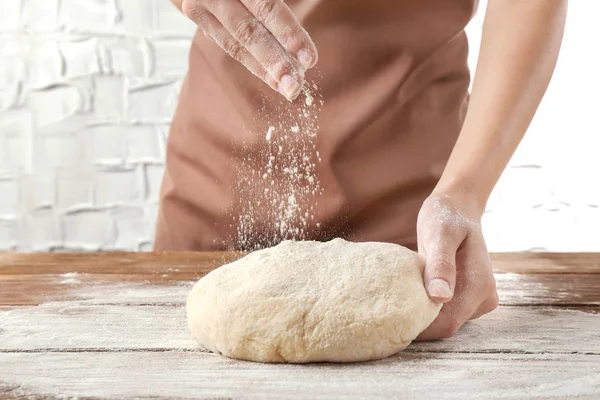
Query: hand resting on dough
column 458, row 270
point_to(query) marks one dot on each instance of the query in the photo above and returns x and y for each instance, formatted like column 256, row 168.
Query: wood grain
column 112, row 326
column 114, row 263
column 162, row 375
column 169, row 288
column 71, row 326
column 202, row 262
column 94, row 288
column 548, row 289
column 546, row 262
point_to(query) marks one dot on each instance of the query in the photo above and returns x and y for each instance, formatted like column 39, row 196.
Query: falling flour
column 284, row 190
column 270, row 133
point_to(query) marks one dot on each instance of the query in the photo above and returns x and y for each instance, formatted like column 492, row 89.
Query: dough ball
column 305, row 301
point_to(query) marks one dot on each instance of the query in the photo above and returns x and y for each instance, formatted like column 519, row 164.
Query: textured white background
column 88, row 88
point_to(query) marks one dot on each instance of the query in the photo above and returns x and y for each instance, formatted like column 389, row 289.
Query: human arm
column 263, row 35
column 519, row 49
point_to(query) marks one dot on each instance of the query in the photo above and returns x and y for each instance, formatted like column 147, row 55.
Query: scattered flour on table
column 70, row 278
column 102, row 315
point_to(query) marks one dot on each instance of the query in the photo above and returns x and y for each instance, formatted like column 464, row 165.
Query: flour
column 87, row 347
column 270, row 133
column 184, row 374
column 129, row 293
column 70, row 278
column 280, row 197
column 71, row 281
column 438, row 217
column 450, row 216
column 309, row 100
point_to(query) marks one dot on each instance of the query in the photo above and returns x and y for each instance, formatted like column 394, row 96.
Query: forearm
column 519, row 49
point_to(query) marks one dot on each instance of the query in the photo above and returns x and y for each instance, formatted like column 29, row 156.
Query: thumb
column 440, row 268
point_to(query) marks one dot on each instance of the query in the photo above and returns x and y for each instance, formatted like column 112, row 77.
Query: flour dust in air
column 278, row 186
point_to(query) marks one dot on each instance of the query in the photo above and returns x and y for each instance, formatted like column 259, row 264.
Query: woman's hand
column 526, row 36
column 263, row 35
column 458, row 271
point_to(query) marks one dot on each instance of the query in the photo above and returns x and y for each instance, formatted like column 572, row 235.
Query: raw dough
column 304, row 301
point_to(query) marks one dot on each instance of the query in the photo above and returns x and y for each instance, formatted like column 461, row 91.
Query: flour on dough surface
column 307, row 301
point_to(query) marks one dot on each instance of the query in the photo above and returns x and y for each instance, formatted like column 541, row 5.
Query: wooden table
column 112, row 325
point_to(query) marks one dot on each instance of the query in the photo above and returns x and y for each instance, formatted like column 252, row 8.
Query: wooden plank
column 525, row 330
column 513, row 289
column 72, row 326
column 433, row 376
column 546, row 262
column 68, row 325
column 548, row 289
column 122, row 263
column 93, row 288
column 159, row 263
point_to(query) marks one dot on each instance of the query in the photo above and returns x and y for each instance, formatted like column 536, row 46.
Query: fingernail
column 289, row 86
column 439, row 288
column 304, row 58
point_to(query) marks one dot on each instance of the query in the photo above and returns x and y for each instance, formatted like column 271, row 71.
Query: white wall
column 549, row 196
column 87, row 90
column 88, row 87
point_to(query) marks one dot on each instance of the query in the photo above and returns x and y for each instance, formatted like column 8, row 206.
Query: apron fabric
column 393, row 80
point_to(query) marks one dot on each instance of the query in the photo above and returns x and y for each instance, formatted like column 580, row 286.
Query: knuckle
column 233, row 48
column 439, row 233
column 491, row 286
column 292, row 38
column 278, row 68
column 287, row 34
column 269, row 79
column 494, row 302
column 246, row 31
column 264, row 9
column 450, row 329
column 216, row 37
column 444, row 263
column 446, row 228
column 193, row 10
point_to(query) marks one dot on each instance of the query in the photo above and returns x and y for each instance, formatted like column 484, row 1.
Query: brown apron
column 393, row 80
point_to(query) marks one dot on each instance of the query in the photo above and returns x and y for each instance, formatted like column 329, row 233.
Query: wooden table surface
column 112, row 325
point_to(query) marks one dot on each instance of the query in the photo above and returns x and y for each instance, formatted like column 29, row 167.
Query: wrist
column 464, row 191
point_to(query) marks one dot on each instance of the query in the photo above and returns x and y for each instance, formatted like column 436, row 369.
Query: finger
column 451, row 318
column 440, row 245
column 277, row 17
column 479, row 275
column 221, row 36
column 263, row 46
column 489, row 305
column 475, row 291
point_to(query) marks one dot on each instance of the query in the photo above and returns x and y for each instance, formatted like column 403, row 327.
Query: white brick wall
column 87, row 92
